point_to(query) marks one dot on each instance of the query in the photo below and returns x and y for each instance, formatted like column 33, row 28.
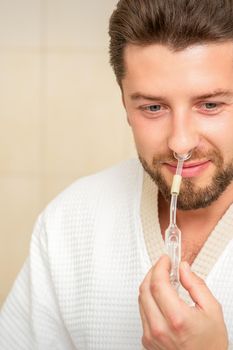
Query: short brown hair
column 175, row 23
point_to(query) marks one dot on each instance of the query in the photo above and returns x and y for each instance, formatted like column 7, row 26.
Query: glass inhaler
column 172, row 233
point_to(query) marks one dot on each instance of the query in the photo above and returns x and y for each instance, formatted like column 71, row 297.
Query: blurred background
column 60, row 111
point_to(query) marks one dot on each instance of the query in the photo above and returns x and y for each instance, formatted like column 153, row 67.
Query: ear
column 123, row 102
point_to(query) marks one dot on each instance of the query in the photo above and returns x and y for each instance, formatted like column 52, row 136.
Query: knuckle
column 218, row 307
column 139, row 299
column 177, row 324
column 146, row 341
column 141, row 289
column 154, row 288
column 158, row 332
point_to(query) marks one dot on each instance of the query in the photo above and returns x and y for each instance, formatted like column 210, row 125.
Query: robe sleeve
column 31, row 318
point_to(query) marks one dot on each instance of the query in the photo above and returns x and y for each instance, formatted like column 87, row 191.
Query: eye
column 210, row 105
column 152, row 108
column 153, row 111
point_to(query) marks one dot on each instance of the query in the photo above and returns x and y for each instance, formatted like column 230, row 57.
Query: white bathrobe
column 79, row 286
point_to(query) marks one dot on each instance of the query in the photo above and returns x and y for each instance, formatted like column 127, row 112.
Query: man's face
column 182, row 101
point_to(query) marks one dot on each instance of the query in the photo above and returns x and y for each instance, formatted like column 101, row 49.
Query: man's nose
column 183, row 135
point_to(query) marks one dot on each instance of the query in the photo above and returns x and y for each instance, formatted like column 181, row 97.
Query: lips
column 190, row 169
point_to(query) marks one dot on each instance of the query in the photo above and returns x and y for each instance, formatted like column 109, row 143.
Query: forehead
column 158, row 65
column 163, row 55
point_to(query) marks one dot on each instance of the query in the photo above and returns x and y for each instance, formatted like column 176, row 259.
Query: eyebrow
column 216, row 93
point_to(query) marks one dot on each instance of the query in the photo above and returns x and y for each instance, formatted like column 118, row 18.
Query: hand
column 169, row 323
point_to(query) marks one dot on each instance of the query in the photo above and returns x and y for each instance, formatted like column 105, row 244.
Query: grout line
column 43, row 113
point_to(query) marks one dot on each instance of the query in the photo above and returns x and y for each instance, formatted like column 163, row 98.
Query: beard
column 191, row 196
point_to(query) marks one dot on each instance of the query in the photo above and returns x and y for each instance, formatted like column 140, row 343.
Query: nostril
column 182, row 157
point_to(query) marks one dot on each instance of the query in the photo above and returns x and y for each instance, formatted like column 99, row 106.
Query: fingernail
column 186, row 266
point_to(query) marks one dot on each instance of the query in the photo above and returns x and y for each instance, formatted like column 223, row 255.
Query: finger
column 153, row 314
column 151, row 336
column 145, row 326
column 196, row 287
column 165, row 296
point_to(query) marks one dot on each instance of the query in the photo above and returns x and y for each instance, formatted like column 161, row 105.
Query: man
column 101, row 243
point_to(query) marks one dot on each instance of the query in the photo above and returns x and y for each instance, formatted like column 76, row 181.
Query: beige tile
column 19, row 113
column 19, row 85
column 20, row 23
column 79, row 23
column 19, row 207
column 86, row 128
column 19, row 148
column 54, row 184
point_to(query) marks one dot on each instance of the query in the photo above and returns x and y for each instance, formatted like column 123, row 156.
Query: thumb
column 196, row 286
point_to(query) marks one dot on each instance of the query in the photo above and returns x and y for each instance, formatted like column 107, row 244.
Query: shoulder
column 84, row 194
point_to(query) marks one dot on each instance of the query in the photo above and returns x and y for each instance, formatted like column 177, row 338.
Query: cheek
column 219, row 132
column 149, row 136
column 225, row 142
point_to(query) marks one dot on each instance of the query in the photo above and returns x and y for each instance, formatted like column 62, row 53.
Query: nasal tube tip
column 182, row 157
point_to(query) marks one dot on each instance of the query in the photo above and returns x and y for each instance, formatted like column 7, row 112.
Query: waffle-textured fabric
column 79, row 286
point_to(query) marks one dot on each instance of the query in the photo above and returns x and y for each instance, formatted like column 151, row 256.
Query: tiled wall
column 60, row 110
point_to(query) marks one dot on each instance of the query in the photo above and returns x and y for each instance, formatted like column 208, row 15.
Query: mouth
column 190, row 169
